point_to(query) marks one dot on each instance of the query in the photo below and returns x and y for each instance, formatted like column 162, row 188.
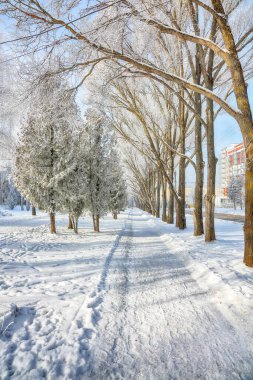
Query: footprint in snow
column 79, row 324
column 37, row 326
column 96, row 302
column 88, row 333
column 96, row 316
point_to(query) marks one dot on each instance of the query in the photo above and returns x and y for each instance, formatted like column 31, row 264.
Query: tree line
column 66, row 164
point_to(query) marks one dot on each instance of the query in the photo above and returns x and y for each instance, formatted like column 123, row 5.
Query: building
column 232, row 164
column 222, row 200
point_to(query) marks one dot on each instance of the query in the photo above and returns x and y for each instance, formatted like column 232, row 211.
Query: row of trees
column 163, row 78
column 9, row 196
column 65, row 164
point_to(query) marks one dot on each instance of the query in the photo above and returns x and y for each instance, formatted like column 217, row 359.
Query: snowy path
column 157, row 323
column 117, row 305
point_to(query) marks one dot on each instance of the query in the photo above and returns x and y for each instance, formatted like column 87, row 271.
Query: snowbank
column 231, row 211
column 216, row 266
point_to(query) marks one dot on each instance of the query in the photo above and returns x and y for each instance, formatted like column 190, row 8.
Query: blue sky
column 227, row 130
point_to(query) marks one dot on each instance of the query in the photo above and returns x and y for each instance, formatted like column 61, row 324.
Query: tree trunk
column 70, row 225
column 95, row 219
column 180, row 209
column 22, row 203
column 180, row 216
column 52, row 223
column 211, row 174
column 74, row 221
column 94, row 222
column 115, row 215
column 51, row 190
column 97, row 223
column 164, row 199
column 150, row 193
column 248, row 225
column 198, row 203
column 198, row 193
column 33, row 211
column 27, row 205
column 170, row 219
column 153, row 192
column 158, row 193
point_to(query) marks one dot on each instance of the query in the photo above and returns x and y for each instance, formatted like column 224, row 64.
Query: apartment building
column 232, row 164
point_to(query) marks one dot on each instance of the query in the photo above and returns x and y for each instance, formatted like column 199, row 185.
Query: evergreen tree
column 11, row 195
column 74, row 182
column 99, row 178
column 44, row 150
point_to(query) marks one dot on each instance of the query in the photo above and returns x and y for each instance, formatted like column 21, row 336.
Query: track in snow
column 50, row 279
column 157, row 323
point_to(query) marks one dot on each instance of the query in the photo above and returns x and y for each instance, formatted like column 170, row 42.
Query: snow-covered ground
column 226, row 210
column 140, row 300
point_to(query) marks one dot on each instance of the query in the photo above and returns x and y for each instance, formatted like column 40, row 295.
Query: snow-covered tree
column 44, row 152
column 74, row 182
column 118, row 192
column 9, row 112
column 235, row 190
column 11, row 195
column 99, row 171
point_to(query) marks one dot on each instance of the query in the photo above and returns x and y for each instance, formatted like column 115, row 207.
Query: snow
column 226, row 210
column 216, row 266
column 140, row 300
column 51, row 279
column 5, row 212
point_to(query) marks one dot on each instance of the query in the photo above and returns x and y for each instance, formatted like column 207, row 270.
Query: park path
column 156, row 322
